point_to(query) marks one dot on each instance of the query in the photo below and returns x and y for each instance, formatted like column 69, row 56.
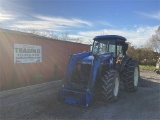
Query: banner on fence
column 24, row 53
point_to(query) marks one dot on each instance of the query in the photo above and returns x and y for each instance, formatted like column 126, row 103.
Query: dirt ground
column 39, row 102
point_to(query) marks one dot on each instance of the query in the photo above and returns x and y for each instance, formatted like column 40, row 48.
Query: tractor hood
column 103, row 57
column 88, row 60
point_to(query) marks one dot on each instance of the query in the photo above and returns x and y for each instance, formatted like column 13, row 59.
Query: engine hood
column 88, row 60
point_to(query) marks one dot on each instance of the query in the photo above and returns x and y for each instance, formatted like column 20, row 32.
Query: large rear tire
column 110, row 86
column 131, row 76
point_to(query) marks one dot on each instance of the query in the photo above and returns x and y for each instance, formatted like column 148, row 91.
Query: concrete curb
column 28, row 87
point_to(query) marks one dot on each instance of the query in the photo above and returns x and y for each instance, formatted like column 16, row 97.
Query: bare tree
column 154, row 42
column 33, row 31
column 50, row 34
column 79, row 40
column 65, row 36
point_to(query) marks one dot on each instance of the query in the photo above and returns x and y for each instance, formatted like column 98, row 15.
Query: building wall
column 55, row 56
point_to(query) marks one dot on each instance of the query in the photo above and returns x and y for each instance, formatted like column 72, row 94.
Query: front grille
column 81, row 76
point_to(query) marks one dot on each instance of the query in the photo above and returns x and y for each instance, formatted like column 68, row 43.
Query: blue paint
column 70, row 100
column 110, row 37
column 88, row 60
column 83, row 97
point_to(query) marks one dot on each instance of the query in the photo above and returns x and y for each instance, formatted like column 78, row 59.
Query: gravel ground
column 39, row 102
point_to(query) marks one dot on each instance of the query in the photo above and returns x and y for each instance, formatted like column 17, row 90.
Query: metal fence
column 55, row 55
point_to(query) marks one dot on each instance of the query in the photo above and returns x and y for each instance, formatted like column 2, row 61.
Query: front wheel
column 110, row 86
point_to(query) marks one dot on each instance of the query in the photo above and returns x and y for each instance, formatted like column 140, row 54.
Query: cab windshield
column 103, row 46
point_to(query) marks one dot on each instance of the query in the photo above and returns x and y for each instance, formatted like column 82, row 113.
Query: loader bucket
column 75, row 97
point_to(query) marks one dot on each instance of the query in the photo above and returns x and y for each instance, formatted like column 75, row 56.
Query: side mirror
column 125, row 47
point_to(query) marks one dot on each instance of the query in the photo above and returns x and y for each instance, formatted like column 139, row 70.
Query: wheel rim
column 136, row 76
column 116, row 84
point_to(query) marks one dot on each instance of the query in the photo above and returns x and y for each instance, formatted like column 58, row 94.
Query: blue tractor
column 99, row 73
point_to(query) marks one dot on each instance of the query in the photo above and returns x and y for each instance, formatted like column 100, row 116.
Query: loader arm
column 98, row 60
column 73, row 60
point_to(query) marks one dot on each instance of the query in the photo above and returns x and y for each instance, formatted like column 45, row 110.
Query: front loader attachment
column 80, row 92
column 72, row 93
column 75, row 97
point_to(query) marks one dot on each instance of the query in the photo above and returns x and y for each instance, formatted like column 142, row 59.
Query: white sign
column 24, row 53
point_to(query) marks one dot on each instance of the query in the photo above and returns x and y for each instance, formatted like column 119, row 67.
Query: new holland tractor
column 99, row 73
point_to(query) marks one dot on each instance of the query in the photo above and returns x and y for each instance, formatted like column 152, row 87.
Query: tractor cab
column 110, row 43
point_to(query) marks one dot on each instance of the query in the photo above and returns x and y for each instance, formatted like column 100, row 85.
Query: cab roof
column 110, row 37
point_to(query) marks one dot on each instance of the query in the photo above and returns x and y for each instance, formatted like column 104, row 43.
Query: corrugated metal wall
column 55, row 55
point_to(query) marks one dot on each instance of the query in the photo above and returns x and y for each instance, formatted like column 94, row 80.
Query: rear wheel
column 110, row 86
column 131, row 76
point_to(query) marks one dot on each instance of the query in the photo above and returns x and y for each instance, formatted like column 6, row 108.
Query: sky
column 137, row 20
